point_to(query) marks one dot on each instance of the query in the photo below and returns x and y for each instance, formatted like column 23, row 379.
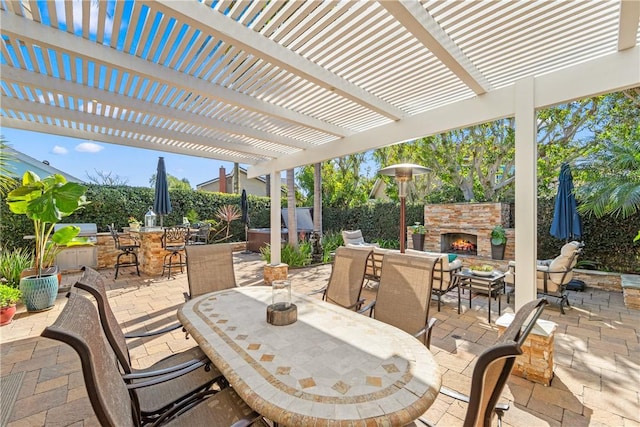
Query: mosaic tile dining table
column 331, row 367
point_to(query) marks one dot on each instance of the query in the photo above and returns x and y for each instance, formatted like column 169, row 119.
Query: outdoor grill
column 74, row 257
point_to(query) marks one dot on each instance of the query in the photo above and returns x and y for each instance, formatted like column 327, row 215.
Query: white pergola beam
column 111, row 139
column 209, row 21
column 90, row 119
column 628, row 25
column 611, row 73
column 42, row 35
column 77, row 91
column 417, row 20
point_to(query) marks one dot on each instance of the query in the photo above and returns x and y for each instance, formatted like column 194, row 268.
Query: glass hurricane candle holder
column 281, row 294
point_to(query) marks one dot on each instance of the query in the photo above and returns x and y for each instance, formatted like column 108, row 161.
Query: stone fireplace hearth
column 459, row 243
column 468, row 222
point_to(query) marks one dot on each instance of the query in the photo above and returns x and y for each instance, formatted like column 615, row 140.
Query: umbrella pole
column 246, row 239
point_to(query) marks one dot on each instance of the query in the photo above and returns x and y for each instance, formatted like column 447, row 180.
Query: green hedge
column 608, row 241
column 115, row 204
column 376, row 220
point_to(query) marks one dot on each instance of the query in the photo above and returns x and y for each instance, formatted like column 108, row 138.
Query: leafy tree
column 612, row 173
column 478, row 162
column 344, row 181
column 174, row 183
column 7, row 183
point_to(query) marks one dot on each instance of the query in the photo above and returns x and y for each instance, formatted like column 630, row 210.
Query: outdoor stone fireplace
column 459, row 243
column 465, row 228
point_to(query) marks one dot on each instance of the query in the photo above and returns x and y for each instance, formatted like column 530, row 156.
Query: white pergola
column 279, row 84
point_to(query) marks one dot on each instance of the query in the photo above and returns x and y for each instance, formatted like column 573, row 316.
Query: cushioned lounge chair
column 155, row 400
column 78, row 325
column 493, row 367
column 347, row 276
column 404, row 294
column 210, row 268
column 354, row 237
column 552, row 276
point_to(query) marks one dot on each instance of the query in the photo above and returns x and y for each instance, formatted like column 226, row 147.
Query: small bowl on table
column 482, row 271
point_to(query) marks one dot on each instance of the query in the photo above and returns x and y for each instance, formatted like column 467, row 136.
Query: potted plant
column 9, row 297
column 498, row 242
column 134, row 224
column 45, row 201
column 13, row 263
column 418, row 234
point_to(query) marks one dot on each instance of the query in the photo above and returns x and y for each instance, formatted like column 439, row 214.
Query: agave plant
column 226, row 214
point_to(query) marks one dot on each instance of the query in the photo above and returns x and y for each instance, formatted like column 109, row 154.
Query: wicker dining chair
column 78, row 325
column 347, row 275
column 493, row 367
column 159, row 398
column 404, row 294
column 209, row 268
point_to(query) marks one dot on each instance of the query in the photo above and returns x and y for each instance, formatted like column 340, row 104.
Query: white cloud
column 89, row 147
column 59, row 150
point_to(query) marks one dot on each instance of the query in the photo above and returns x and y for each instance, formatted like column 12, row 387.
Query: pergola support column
column 526, row 221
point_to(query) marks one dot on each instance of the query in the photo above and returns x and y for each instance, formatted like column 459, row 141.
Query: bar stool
column 128, row 250
column 174, row 240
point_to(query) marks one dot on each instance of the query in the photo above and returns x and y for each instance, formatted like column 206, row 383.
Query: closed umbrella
column 162, row 202
column 244, row 208
column 566, row 222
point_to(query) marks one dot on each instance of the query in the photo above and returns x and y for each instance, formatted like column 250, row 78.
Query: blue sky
column 78, row 157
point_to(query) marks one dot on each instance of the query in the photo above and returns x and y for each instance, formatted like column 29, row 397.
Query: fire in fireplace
column 459, row 243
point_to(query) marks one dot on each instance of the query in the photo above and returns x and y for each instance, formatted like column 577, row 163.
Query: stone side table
column 536, row 362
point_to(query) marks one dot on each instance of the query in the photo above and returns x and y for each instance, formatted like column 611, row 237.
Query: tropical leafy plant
column 498, row 236
column 418, row 228
column 45, row 202
column 293, row 257
column 330, row 242
column 12, row 263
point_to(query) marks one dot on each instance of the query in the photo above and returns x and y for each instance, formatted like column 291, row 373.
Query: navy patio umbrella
column 162, row 202
column 566, row 223
column 244, row 208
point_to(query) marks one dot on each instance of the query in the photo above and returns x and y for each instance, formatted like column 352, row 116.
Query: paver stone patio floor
column 597, row 353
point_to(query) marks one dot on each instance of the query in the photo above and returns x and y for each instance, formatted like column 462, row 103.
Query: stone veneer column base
column 275, row 272
column 631, row 290
column 536, row 361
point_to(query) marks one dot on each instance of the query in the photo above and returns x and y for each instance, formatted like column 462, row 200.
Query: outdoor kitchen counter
column 151, row 253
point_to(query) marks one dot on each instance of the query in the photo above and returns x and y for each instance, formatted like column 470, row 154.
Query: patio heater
column 403, row 173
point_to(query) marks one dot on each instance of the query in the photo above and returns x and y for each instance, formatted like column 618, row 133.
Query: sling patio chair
column 493, row 367
column 209, row 269
column 404, row 294
column 114, row 401
column 157, row 399
column 347, row 276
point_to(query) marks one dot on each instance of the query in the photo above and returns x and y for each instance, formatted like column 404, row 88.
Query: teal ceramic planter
column 39, row 293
